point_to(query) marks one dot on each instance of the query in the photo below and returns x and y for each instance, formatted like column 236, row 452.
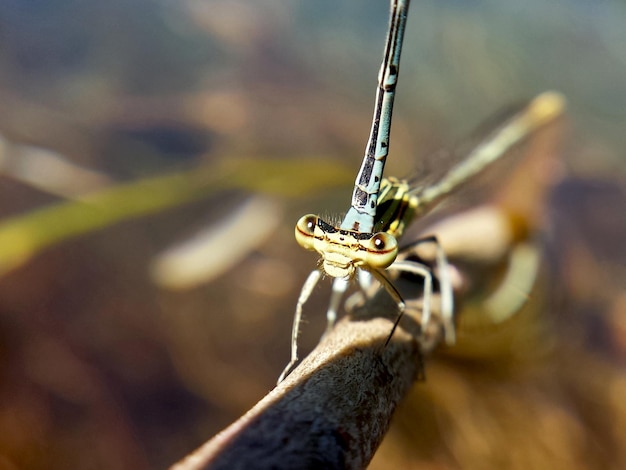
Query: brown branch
column 332, row 411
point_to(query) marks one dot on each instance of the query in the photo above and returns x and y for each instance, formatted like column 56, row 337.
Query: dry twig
column 332, row 411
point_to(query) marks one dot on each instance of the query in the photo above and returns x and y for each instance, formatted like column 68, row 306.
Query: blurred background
column 155, row 155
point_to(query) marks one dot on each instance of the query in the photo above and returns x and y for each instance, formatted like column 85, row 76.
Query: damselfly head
column 343, row 251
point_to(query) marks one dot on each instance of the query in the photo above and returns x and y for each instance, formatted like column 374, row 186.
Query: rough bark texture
column 331, row 412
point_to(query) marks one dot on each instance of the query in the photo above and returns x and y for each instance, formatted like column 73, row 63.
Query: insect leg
column 421, row 270
column 445, row 286
column 305, row 293
column 395, row 295
column 340, row 285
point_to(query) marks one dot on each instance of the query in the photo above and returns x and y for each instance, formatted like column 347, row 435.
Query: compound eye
column 382, row 250
column 380, row 241
column 305, row 230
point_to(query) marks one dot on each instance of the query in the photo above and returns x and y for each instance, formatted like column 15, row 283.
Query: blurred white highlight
column 216, row 249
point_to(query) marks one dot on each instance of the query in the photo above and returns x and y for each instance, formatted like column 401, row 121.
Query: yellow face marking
column 343, row 251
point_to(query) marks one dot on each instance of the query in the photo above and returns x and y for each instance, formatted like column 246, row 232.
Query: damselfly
column 353, row 246
column 365, row 243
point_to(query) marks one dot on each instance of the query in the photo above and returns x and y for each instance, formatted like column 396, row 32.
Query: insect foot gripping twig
column 332, row 411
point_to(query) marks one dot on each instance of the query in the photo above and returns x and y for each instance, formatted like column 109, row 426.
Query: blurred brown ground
column 100, row 368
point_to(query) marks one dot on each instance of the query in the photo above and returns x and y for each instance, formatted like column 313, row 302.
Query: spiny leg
column 395, row 295
column 421, row 270
column 447, row 295
column 340, row 285
column 305, row 293
column 445, row 286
